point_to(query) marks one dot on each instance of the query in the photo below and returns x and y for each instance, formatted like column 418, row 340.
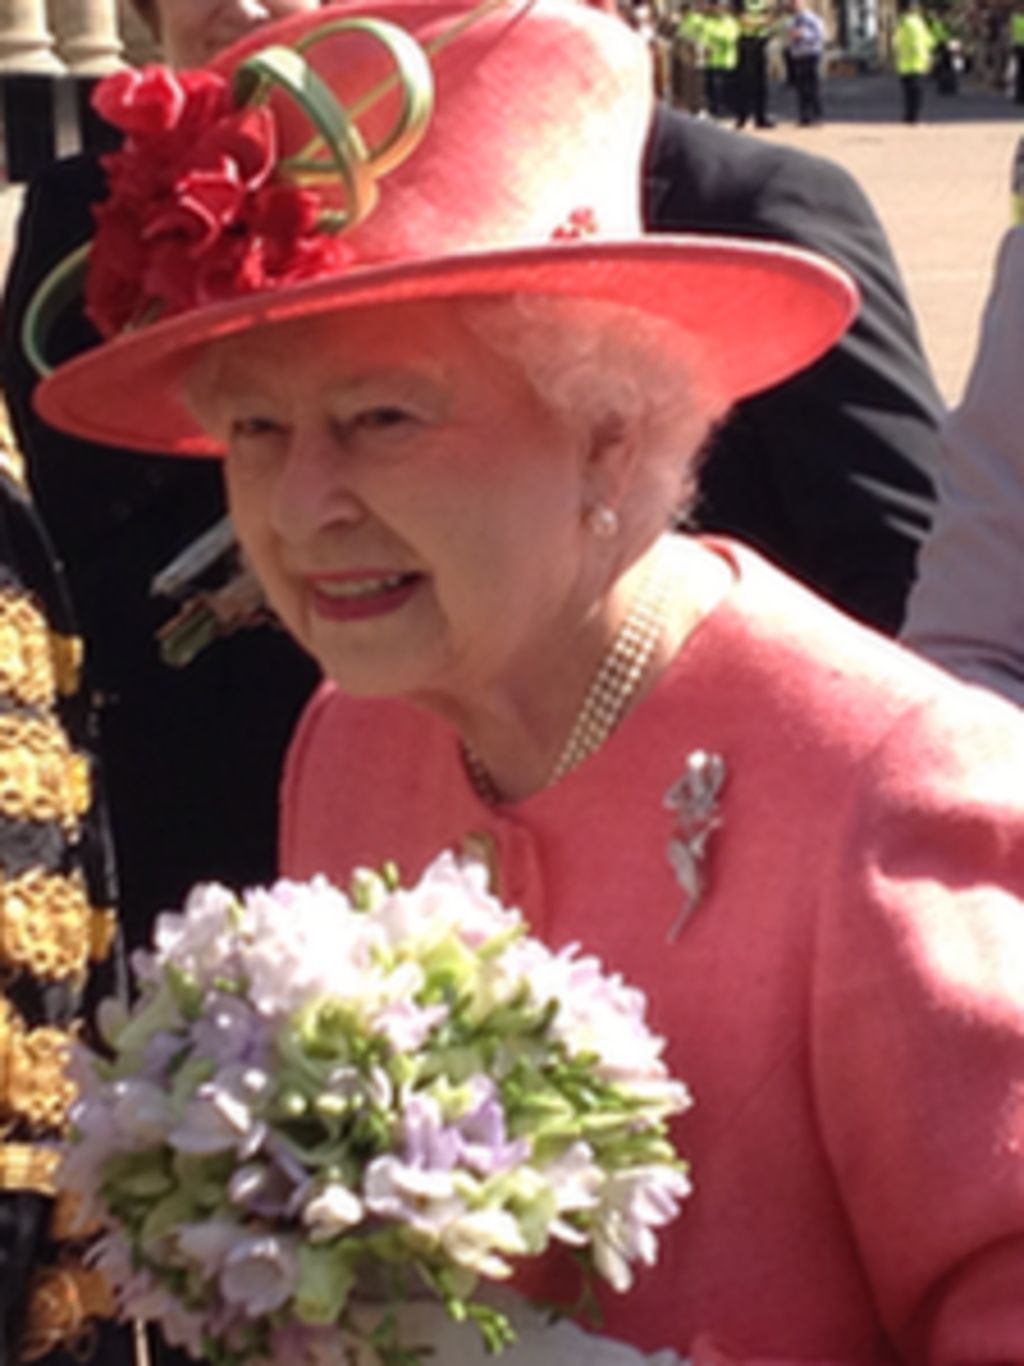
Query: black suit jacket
column 192, row 756
column 831, row 473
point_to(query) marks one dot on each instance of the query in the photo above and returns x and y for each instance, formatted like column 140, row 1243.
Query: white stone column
column 26, row 44
column 87, row 35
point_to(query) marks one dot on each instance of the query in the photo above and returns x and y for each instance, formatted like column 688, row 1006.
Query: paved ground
column 941, row 188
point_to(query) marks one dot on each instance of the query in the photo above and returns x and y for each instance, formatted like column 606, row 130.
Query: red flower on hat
column 194, row 214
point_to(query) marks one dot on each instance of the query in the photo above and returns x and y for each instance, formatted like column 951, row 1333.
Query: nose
column 313, row 492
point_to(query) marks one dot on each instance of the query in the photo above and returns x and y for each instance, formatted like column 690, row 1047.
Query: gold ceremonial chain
column 611, row 691
column 41, row 777
column 34, row 1086
column 35, row 662
column 49, row 927
column 28, row 1167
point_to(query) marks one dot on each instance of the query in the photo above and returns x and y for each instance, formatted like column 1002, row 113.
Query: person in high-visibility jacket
column 912, row 46
column 721, row 38
column 1017, row 47
column 757, row 21
column 689, row 54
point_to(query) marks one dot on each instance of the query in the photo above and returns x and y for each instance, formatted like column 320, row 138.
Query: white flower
column 200, row 941
column 633, row 1202
column 449, row 898
column 426, row 1200
column 331, row 1211
column 304, row 941
column 475, row 1240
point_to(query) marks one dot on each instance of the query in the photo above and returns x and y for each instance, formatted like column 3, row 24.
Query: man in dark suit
column 831, row 473
column 191, row 755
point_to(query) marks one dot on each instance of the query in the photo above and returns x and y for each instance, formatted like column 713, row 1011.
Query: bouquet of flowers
column 327, row 1105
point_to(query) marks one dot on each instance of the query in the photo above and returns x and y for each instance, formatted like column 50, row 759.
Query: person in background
column 830, row 473
column 805, row 44
column 689, row 58
column 59, row 948
column 756, row 20
column 946, row 48
column 1017, row 49
column 454, row 444
column 966, row 610
column 721, row 37
column 912, row 46
column 191, row 753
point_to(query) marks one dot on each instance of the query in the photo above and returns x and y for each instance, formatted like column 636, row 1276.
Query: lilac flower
column 161, row 1048
column 140, row 1296
column 229, row 1031
column 221, row 1117
column 260, row 1274
column 262, row 1189
column 207, row 1244
column 138, row 1110
column 484, row 1145
column 430, row 1145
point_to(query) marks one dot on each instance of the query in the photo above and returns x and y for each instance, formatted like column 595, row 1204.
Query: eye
column 382, row 419
column 252, row 428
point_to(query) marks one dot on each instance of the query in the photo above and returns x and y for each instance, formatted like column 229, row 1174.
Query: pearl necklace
column 612, row 688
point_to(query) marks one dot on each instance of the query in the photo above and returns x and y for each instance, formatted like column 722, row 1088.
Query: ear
column 611, row 461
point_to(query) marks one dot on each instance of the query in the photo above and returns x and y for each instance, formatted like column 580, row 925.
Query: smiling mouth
column 362, row 596
column 344, row 589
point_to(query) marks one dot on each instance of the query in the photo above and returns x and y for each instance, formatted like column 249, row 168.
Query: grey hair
column 604, row 367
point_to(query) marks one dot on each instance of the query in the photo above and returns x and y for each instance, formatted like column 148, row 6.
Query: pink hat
column 403, row 150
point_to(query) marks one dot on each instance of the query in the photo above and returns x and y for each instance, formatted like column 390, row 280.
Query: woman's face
column 194, row 31
column 413, row 510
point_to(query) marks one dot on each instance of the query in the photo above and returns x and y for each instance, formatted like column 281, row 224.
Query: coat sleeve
column 917, row 1029
column 967, row 607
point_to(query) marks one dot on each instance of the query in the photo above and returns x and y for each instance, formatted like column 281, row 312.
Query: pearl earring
column 602, row 521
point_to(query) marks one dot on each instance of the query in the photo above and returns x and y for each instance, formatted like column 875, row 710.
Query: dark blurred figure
column 757, row 24
column 805, row 50
column 1017, row 48
column 191, row 754
column 832, row 473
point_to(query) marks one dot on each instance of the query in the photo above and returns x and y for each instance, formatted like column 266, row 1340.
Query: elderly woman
column 399, row 287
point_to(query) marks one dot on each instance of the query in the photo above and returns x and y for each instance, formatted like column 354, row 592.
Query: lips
column 356, row 596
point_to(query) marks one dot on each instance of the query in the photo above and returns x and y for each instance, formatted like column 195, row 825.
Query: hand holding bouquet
column 324, row 1105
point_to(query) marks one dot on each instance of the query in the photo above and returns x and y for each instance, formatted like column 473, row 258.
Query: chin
column 363, row 678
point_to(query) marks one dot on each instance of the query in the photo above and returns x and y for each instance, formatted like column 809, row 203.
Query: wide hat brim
column 757, row 312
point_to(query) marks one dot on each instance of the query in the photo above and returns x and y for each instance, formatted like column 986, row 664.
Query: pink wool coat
column 846, row 1001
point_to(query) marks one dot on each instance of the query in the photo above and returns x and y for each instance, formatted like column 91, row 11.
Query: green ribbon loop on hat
column 345, row 155
column 59, row 289
column 412, row 73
